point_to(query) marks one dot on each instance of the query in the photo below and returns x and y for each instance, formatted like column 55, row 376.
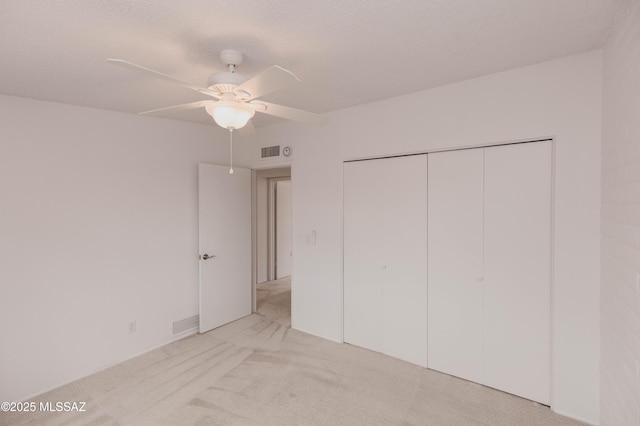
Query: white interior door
column 518, row 269
column 404, row 258
column 362, row 255
column 224, row 220
column 456, row 263
column 283, row 228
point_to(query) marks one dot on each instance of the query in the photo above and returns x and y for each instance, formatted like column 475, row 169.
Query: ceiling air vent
column 270, row 151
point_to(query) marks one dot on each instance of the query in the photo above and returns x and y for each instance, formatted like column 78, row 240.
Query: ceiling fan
column 235, row 97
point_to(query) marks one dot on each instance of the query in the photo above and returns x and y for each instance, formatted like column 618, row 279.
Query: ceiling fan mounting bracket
column 231, row 58
column 225, row 81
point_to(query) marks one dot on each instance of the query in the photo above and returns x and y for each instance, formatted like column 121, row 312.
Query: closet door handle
column 479, row 278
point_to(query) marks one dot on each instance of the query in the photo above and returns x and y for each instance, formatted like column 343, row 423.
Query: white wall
column 620, row 304
column 98, row 228
column 560, row 98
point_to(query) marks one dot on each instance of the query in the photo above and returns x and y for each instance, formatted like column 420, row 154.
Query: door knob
column 206, row 256
column 480, row 278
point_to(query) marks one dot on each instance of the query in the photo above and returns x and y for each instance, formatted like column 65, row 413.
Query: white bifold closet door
column 456, row 263
column 363, row 254
column 517, row 253
column 385, row 256
column 489, row 274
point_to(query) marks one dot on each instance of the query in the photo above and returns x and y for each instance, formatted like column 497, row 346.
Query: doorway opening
column 272, row 242
column 273, row 300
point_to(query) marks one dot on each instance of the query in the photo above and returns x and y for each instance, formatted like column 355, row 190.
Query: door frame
column 273, row 173
column 272, row 223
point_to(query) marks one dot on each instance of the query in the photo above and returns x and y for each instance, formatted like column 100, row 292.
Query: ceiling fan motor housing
column 225, row 78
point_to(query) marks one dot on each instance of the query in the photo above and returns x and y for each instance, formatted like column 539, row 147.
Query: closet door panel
column 362, row 254
column 517, row 269
column 456, row 263
column 404, row 258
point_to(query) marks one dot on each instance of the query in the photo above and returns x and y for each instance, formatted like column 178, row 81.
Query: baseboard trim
column 174, row 338
column 578, row 418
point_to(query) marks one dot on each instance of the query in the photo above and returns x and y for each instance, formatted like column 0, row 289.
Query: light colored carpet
column 258, row 371
column 273, row 301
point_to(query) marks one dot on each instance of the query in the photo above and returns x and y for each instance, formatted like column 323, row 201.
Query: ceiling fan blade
column 268, row 81
column 132, row 66
column 290, row 113
column 181, row 107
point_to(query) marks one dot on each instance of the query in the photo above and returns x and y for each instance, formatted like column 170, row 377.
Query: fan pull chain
column 230, row 151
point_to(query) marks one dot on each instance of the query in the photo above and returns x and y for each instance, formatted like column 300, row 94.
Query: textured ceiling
column 346, row 52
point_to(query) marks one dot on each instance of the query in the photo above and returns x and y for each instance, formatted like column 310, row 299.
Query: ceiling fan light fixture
column 230, row 115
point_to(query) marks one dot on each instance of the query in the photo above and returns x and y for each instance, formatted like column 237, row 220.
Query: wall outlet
column 132, row 327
